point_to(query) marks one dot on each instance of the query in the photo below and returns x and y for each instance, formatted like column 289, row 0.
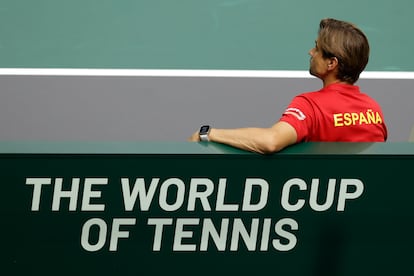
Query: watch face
column 204, row 129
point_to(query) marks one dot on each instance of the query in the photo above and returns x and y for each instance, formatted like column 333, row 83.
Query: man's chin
column 311, row 72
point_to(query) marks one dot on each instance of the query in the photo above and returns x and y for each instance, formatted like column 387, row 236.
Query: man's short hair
column 348, row 44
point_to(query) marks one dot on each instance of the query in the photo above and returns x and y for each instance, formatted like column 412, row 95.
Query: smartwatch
column 203, row 133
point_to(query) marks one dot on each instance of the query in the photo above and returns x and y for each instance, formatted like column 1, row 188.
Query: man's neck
column 329, row 81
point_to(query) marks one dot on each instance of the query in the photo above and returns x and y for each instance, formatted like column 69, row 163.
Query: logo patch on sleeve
column 295, row 112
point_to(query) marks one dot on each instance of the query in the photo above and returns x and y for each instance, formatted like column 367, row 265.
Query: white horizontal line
column 188, row 73
column 387, row 75
column 154, row 72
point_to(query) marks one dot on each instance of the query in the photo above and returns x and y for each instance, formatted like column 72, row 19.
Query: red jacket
column 338, row 112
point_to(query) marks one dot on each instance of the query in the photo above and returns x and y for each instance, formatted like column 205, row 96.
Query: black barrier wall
column 193, row 208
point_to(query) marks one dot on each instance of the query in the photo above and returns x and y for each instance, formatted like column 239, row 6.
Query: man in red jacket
column 339, row 112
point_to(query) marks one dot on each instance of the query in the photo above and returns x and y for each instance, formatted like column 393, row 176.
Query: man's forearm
column 260, row 140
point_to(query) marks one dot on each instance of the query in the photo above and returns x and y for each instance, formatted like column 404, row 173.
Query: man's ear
column 333, row 63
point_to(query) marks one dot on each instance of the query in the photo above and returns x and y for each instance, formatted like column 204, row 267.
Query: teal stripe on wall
column 193, row 34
